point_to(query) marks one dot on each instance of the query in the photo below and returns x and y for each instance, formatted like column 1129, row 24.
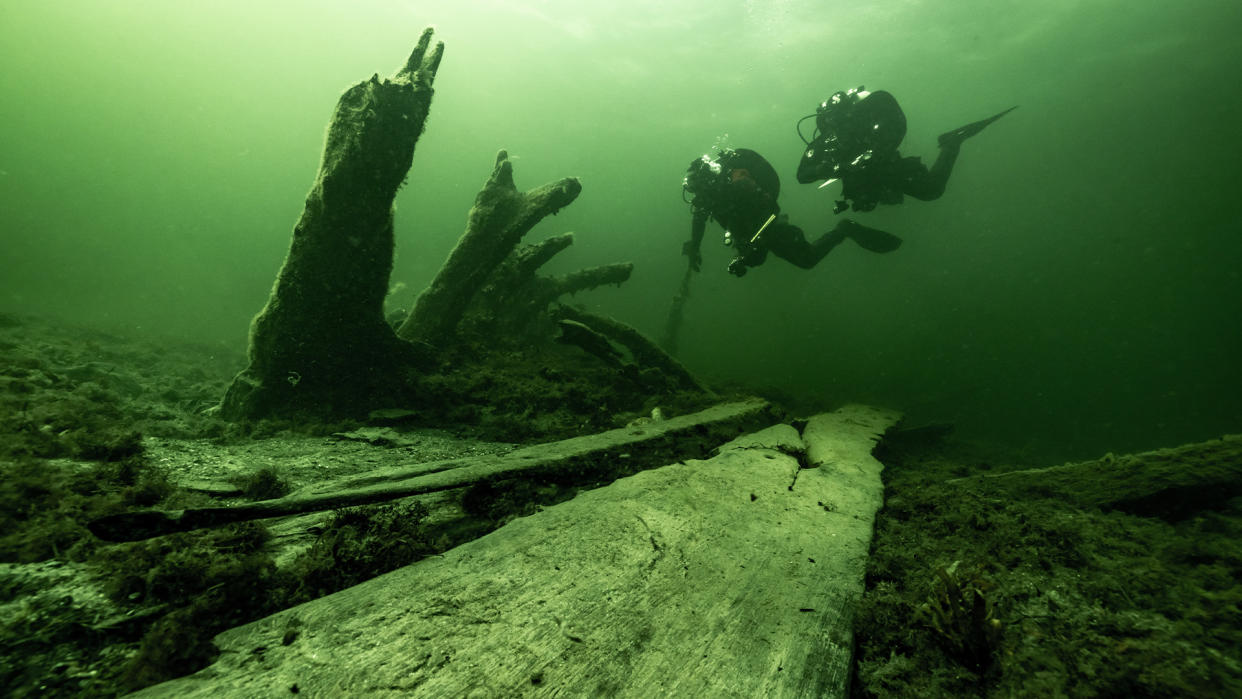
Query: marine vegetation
column 1037, row 596
column 962, row 616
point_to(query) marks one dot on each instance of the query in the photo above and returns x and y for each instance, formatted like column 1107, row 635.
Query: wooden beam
column 1166, row 482
column 605, row 453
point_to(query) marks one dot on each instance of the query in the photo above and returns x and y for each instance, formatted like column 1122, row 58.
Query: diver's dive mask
column 706, row 175
column 834, row 113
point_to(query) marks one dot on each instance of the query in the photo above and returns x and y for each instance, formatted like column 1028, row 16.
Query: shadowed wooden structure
column 321, row 346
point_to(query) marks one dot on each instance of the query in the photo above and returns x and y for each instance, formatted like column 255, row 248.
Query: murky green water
column 1077, row 290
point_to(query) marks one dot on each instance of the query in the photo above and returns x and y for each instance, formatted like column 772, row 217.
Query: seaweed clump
column 44, row 505
column 265, row 483
column 203, row 583
column 360, row 543
column 962, row 616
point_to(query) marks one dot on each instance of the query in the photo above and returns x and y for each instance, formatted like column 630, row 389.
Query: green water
column 1077, row 289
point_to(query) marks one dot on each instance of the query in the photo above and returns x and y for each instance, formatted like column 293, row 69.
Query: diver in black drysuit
column 856, row 138
column 738, row 188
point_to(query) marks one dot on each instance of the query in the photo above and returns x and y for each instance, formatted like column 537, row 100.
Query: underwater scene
column 689, row 348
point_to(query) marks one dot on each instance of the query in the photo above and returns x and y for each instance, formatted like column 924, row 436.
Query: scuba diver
column 738, row 188
column 855, row 140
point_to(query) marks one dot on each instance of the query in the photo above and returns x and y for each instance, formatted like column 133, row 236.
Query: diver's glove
column 689, row 249
column 747, row 256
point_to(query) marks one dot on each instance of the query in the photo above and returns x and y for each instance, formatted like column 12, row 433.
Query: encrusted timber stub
column 376, row 125
column 531, row 257
column 324, row 319
column 590, row 278
column 421, row 66
column 500, row 218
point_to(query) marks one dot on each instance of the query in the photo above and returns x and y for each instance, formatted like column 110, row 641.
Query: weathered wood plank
column 734, row 576
column 678, row 437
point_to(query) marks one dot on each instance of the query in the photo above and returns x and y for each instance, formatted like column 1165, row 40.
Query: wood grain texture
column 732, row 576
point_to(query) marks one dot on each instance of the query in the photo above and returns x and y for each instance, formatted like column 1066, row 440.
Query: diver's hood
column 852, row 128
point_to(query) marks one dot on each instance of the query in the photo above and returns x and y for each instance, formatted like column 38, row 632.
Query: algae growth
column 968, row 594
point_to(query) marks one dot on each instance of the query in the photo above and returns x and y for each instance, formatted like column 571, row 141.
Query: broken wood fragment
column 646, row 353
column 571, row 332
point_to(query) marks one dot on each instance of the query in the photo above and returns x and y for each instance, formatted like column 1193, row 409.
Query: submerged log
column 321, row 343
column 614, row 452
column 1169, row 483
column 580, row 335
column 731, row 577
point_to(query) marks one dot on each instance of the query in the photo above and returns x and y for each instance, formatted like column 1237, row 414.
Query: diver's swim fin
column 871, row 239
column 956, row 136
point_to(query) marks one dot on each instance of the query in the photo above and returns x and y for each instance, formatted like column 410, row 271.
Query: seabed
column 976, row 582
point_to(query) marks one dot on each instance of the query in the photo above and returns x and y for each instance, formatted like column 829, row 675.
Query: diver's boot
column 954, row 138
column 871, row 239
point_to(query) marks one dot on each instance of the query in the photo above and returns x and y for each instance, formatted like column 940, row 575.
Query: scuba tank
column 852, row 128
